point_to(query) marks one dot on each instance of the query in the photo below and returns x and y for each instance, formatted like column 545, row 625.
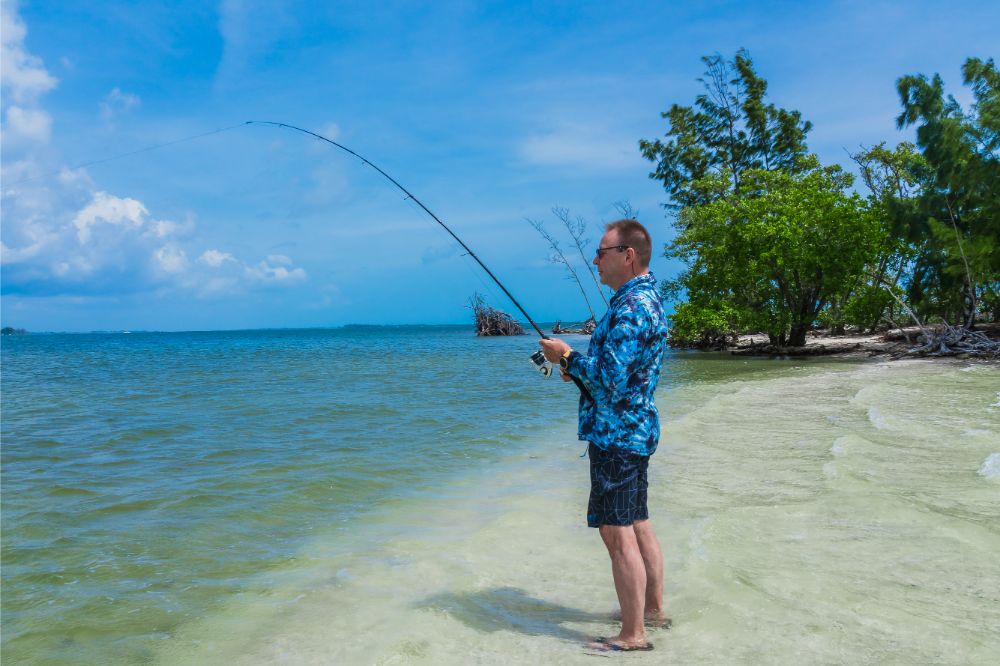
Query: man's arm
column 607, row 372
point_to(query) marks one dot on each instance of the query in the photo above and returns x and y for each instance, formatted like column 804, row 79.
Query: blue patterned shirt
column 621, row 370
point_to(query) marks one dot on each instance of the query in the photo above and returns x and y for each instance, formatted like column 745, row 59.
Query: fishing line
column 157, row 146
column 537, row 358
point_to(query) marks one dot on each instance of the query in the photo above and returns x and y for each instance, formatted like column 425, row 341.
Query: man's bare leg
column 652, row 559
column 629, row 573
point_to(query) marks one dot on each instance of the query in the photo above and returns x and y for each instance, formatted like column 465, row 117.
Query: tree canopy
column 954, row 219
column 730, row 130
column 773, row 241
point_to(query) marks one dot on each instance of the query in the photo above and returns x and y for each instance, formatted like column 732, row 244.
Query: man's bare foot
column 652, row 620
column 616, row 644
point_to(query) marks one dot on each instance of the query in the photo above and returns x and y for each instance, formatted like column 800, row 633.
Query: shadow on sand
column 511, row 609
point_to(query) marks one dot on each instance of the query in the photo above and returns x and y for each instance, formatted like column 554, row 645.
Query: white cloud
column 111, row 244
column 266, row 273
column 117, row 102
column 109, row 209
column 24, row 77
column 215, row 258
column 170, row 259
column 27, row 125
column 62, row 235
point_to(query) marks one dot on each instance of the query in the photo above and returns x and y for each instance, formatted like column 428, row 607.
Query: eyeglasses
column 601, row 250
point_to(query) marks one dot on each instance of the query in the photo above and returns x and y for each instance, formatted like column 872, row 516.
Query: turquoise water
column 416, row 495
column 148, row 476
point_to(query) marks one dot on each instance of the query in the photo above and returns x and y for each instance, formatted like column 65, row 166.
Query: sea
column 417, row 495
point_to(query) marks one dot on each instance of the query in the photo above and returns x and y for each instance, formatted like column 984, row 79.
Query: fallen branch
column 948, row 340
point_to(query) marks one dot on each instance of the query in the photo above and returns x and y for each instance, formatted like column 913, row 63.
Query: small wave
column 991, row 467
column 71, row 491
column 839, row 447
column 877, row 419
column 997, row 403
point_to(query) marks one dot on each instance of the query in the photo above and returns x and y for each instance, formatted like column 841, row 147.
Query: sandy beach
column 814, row 512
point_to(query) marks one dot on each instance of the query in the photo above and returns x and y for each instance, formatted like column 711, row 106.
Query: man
column 620, row 370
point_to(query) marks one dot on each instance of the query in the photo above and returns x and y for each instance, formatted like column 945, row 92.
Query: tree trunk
column 797, row 336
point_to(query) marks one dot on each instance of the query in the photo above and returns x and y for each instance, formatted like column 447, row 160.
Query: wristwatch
column 564, row 360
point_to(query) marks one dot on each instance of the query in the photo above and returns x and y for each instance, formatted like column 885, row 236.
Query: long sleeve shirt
column 621, row 370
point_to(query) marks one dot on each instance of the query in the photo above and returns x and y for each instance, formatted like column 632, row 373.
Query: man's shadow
column 511, row 609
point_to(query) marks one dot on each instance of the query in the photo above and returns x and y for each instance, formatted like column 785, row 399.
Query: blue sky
column 490, row 113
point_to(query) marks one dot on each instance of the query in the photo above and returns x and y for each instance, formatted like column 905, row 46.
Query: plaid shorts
column 617, row 487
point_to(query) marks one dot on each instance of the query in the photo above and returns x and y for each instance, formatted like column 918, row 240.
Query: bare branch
column 559, row 257
column 576, row 229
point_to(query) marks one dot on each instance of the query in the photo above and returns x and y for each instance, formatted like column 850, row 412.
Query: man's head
column 624, row 252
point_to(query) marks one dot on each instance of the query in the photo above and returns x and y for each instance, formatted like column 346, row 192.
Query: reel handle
column 545, row 368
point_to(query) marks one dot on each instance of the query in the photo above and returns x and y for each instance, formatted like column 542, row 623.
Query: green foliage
column 729, row 131
column 707, row 325
column 953, row 222
column 779, row 252
column 773, row 241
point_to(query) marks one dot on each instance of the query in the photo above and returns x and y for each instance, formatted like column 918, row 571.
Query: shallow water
column 272, row 497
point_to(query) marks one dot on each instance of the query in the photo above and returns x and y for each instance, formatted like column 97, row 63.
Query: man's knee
column 643, row 529
column 619, row 539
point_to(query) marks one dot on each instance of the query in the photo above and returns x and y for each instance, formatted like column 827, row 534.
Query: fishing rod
column 537, row 358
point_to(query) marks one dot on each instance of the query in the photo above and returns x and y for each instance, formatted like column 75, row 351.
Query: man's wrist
column 565, row 359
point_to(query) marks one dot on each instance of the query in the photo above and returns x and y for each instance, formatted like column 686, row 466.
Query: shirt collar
column 638, row 282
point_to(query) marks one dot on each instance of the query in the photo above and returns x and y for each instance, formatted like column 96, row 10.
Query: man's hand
column 553, row 349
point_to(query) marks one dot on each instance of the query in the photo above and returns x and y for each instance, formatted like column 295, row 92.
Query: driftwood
column 586, row 328
column 490, row 321
column 947, row 340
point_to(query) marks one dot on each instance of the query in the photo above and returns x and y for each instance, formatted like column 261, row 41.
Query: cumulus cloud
column 112, row 244
column 63, row 235
column 215, row 258
column 23, row 79
column 27, row 125
column 24, row 76
column 108, row 209
column 170, row 259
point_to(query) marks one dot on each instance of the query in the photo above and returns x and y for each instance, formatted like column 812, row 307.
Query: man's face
column 613, row 265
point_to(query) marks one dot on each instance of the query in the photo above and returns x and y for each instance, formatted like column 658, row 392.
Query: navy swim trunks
column 617, row 487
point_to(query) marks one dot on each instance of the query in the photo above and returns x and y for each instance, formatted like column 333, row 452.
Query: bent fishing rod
column 537, row 358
